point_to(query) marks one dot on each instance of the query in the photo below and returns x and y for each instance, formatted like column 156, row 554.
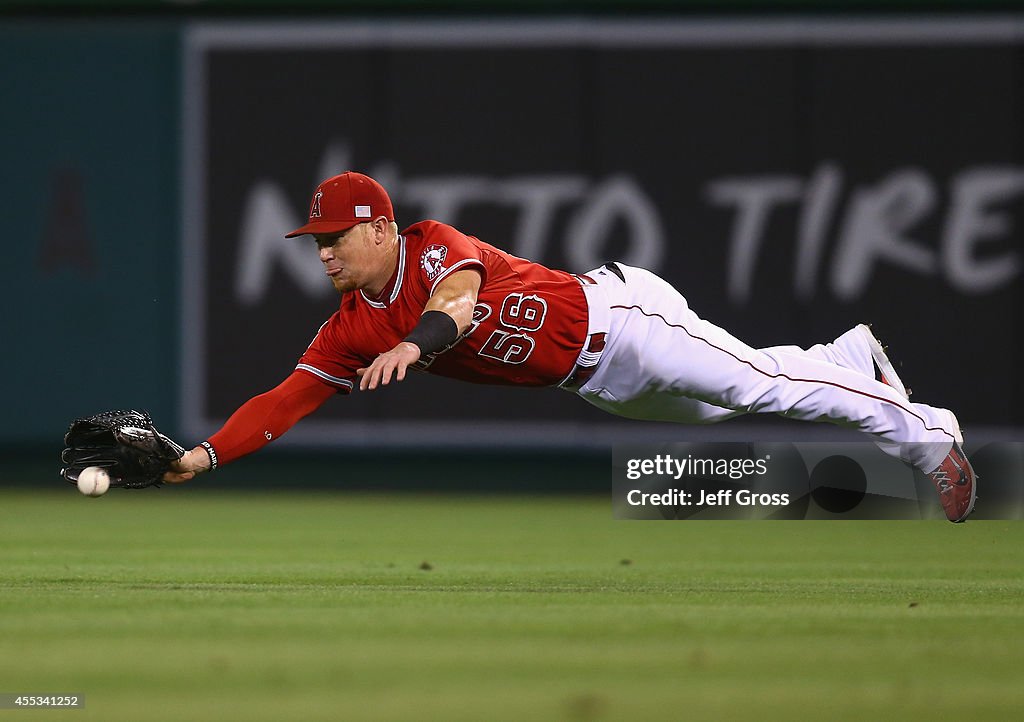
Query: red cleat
column 956, row 483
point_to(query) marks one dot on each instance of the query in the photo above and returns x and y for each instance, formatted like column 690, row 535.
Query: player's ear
column 379, row 227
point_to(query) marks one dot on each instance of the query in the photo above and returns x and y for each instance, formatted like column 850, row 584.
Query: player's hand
column 191, row 463
column 390, row 363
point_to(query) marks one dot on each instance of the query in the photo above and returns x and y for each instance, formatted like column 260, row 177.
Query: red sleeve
column 328, row 358
column 445, row 251
column 264, row 418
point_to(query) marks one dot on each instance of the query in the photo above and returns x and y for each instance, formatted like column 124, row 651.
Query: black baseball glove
column 125, row 443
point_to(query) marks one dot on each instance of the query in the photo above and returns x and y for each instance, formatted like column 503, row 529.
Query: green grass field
column 191, row 604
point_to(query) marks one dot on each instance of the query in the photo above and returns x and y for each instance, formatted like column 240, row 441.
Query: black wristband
column 208, row 447
column 435, row 331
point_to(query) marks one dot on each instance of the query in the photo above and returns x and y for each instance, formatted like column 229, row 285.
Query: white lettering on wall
column 873, row 225
column 615, row 202
column 973, row 219
column 878, row 227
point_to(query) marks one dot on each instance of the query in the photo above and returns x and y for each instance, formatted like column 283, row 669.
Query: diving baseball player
column 433, row 299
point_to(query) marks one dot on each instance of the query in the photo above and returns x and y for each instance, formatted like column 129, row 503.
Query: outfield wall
column 791, row 176
column 90, row 220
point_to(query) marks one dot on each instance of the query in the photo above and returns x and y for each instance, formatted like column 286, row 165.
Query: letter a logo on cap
column 314, row 211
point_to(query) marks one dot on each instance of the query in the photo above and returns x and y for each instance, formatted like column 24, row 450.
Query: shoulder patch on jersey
column 432, row 260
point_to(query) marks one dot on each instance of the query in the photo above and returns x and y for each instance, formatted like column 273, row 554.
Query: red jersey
column 528, row 327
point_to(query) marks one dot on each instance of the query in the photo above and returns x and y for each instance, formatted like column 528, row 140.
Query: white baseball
column 93, row 481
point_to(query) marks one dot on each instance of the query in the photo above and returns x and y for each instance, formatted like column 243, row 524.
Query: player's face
column 352, row 260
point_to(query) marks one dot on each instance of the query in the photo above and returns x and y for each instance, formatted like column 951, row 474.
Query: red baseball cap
column 344, row 201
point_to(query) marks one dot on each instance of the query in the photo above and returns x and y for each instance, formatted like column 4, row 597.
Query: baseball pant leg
column 848, row 351
column 660, row 357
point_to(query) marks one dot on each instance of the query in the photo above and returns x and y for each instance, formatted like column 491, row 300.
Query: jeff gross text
column 705, row 497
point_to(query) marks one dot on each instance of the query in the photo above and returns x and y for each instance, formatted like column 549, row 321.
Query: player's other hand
column 191, row 463
column 389, row 364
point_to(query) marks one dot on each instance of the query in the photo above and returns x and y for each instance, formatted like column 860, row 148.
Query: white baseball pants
column 661, row 362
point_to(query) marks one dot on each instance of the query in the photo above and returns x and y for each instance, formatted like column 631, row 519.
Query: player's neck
column 388, row 268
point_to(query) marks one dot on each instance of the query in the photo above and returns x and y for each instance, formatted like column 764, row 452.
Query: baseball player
column 433, row 299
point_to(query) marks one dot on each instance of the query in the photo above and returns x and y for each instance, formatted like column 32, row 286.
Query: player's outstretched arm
column 255, row 424
column 447, row 314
